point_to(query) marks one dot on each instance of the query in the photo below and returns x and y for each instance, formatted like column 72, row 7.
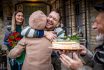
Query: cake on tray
column 74, row 46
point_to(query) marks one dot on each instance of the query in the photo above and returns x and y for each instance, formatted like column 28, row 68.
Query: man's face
column 98, row 24
column 52, row 20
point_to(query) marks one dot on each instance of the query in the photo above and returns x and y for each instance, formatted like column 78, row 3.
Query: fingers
column 53, row 37
column 50, row 35
column 75, row 56
column 84, row 50
column 82, row 46
column 66, row 57
column 74, row 63
column 65, row 60
column 53, row 32
column 66, row 63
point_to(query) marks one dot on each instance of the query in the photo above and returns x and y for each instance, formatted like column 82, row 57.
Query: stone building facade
column 77, row 15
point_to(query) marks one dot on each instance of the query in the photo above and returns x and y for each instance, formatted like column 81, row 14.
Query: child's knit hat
column 37, row 20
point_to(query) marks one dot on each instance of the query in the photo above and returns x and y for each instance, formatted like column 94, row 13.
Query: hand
column 84, row 50
column 73, row 63
column 51, row 35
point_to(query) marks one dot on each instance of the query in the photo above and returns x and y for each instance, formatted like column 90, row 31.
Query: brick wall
column 90, row 13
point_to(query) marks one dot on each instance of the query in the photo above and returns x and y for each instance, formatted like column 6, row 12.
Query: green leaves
column 72, row 38
column 11, row 37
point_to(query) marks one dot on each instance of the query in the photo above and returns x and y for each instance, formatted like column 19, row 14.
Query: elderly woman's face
column 98, row 24
column 19, row 17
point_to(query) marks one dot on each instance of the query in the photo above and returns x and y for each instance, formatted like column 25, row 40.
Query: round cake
column 66, row 45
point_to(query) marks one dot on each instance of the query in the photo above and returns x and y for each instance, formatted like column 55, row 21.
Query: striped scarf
column 32, row 33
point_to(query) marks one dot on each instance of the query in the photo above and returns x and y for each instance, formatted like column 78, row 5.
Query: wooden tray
column 71, row 46
column 68, row 49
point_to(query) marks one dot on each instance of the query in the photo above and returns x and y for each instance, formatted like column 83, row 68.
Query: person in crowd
column 96, row 60
column 43, row 59
column 17, row 25
column 49, row 35
column 60, row 33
